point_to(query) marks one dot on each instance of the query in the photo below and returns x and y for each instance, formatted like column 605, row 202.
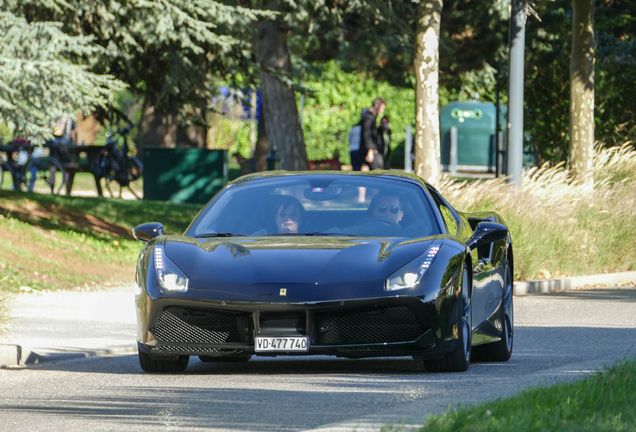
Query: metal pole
column 408, row 143
column 453, row 150
column 515, row 90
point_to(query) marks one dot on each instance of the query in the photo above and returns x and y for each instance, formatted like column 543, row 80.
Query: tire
column 3, row 170
column 135, row 170
column 501, row 350
column 37, row 175
column 459, row 359
column 148, row 364
column 223, row 359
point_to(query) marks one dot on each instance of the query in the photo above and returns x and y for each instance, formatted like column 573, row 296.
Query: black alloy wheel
column 501, row 350
column 459, row 359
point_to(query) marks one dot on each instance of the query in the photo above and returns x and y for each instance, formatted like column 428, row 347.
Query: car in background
column 345, row 264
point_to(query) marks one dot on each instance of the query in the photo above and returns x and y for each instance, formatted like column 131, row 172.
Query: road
column 558, row 337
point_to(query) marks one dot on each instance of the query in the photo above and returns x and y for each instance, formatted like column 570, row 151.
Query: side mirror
column 487, row 232
column 147, row 231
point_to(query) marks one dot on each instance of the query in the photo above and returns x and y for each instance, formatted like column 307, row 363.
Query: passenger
column 288, row 216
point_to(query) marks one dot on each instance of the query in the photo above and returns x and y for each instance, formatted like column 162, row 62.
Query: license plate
column 286, row 344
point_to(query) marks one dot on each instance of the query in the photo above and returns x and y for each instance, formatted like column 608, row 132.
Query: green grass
column 603, row 401
column 50, row 242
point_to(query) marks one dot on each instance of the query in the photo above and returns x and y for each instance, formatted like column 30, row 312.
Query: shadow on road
column 614, row 295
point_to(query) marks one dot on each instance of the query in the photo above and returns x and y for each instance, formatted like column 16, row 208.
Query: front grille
column 200, row 326
column 396, row 324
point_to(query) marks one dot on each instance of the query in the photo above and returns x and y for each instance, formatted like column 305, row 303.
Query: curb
column 572, row 283
column 12, row 356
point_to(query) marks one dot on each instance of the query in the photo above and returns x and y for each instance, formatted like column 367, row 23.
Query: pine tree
column 43, row 76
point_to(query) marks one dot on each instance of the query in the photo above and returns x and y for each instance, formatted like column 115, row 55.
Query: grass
column 51, row 242
column 561, row 228
column 603, row 401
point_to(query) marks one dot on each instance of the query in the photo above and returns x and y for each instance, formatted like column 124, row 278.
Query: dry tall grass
column 561, row 228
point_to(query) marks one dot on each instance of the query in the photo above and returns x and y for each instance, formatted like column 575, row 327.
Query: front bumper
column 396, row 326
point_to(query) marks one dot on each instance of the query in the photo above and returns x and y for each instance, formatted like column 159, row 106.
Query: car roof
column 397, row 175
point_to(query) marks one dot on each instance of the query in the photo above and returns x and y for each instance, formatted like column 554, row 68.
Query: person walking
column 384, row 141
column 369, row 155
column 355, row 135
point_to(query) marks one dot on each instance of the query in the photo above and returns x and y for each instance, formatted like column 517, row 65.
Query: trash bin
column 475, row 128
column 183, row 175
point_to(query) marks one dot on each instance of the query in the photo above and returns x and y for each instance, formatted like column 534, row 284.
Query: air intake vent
column 396, row 324
column 197, row 326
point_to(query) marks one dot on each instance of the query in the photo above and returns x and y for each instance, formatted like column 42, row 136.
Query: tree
column 282, row 122
column 170, row 51
column 427, row 136
column 43, row 76
column 582, row 91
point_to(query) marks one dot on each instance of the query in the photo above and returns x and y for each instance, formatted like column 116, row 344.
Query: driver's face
column 389, row 207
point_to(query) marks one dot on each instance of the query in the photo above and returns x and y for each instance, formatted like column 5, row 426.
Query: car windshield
column 329, row 205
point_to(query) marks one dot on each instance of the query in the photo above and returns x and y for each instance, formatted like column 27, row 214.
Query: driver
column 389, row 207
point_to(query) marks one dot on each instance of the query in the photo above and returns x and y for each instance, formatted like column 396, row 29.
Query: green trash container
column 475, row 123
column 183, row 175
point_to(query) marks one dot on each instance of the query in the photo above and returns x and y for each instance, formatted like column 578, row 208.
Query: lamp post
column 515, row 90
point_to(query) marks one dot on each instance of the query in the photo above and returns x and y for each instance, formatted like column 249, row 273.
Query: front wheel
column 501, row 350
column 149, row 364
column 458, row 360
column 44, row 173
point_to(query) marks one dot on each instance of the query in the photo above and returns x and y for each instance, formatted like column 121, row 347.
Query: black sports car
column 345, row 264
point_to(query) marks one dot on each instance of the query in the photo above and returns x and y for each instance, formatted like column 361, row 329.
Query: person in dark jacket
column 384, row 141
column 369, row 155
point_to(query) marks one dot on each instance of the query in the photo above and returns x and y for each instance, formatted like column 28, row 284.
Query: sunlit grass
column 75, row 242
column 561, row 228
column 603, row 401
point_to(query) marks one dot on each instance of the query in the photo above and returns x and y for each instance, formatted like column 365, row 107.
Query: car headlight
column 411, row 274
column 169, row 275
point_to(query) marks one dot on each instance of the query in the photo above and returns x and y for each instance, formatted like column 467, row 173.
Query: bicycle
column 29, row 170
column 118, row 166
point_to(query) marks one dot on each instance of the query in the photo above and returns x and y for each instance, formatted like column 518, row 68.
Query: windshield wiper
column 221, row 234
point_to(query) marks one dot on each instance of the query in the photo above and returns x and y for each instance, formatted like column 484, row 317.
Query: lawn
column 603, row 401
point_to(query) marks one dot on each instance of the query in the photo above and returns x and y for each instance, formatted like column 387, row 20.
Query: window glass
column 319, row 205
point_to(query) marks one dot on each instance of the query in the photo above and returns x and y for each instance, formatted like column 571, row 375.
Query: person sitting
column 287, row 217
column 382, row 218
column 389, row 207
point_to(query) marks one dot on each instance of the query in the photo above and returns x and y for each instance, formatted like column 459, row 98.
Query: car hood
column 291, row 260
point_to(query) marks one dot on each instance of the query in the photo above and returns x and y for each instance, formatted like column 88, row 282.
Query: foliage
column 615, row 71
column 334, row 106
column 170, row 51
column 601, row 401
column 547, row 86
column 44, row 75
column 562, row 227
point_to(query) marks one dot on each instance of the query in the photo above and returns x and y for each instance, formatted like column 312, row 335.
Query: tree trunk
column 153, row 130
column 582, row 92
column 261, row 149
column 279, row 101
column 427, row 139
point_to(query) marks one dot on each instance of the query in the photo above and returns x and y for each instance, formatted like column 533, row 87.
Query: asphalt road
column 558, row 337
